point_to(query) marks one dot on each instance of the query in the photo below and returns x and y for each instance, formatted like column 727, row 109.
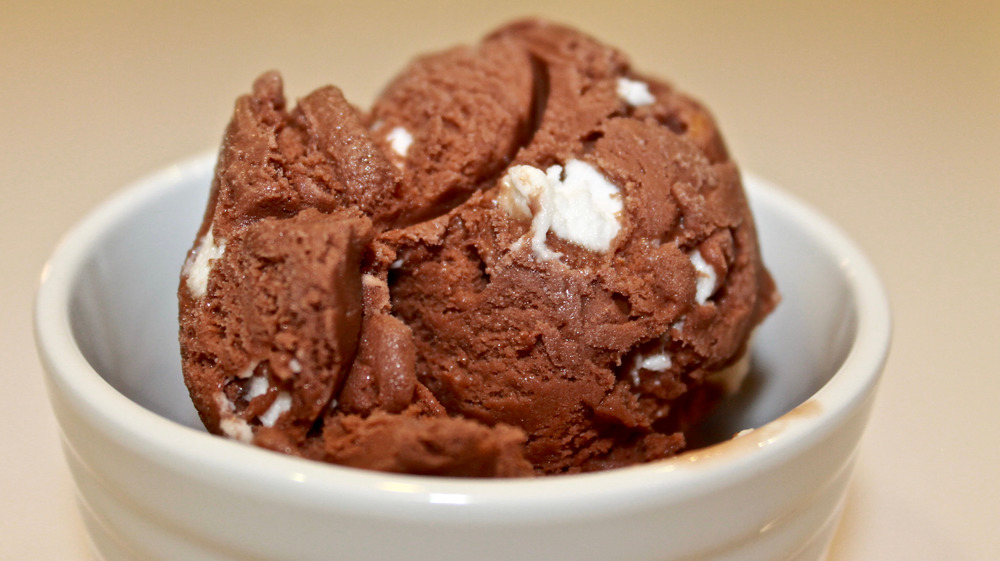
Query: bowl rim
column 205, row 456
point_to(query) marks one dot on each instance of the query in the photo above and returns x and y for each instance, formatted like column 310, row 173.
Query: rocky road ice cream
column 525, row 258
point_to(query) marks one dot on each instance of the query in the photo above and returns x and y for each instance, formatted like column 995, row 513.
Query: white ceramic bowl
column 153, row 485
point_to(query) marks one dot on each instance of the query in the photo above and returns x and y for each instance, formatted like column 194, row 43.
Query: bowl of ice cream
column 767, row 481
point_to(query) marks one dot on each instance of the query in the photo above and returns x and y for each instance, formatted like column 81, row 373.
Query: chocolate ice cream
column 527, row 258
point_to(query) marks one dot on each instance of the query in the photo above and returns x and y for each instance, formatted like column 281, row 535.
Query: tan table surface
column 885, row 117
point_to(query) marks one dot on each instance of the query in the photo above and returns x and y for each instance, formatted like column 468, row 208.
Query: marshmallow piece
column 655, row 362
column 237, row 429
column 281, row 404
column 231, row 425
column 634, row 92
column 577, row 203
column 258, row 387
column 400, row 140
column 659, row 362
column 199, row 265
column 705, row 284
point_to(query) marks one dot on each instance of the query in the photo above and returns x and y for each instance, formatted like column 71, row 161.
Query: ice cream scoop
column 527, row 258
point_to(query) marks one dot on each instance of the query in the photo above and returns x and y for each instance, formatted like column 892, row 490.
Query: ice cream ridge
column 526, row 259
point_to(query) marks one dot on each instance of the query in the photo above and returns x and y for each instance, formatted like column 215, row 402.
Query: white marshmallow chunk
column 199, row 265
column 655, row 362
column 659, row 362
column 231, row 425
column 634, row 92
column 258, row 387
column 705, row 284
column 400, row 140
column 281, row 404
column 577, row 203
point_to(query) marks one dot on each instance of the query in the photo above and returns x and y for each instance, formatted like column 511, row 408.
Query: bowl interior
column 123, row 311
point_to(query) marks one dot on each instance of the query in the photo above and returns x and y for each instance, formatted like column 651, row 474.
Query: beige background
column 885, row 117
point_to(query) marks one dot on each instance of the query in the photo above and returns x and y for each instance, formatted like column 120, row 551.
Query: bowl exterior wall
column 140, row 505
column 152, row 489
